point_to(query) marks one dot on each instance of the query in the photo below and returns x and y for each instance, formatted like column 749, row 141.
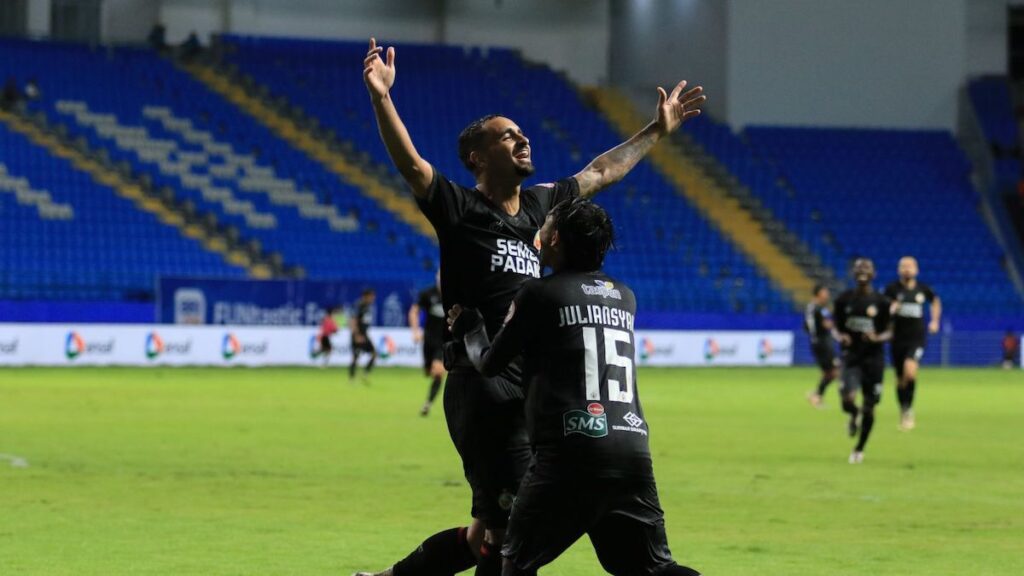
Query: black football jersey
column 857, row 314
column 364, row 317
column 816, row 319
column 908, row 321
column 487, row 255
column 575, row 333
column 430, row 303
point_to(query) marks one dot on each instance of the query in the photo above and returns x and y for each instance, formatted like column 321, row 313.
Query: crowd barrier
column 175, row 345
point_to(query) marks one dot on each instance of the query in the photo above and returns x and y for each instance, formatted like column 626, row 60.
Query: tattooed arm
column 613, row 165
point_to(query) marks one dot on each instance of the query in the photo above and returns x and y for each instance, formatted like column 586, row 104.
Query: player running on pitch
column 819, row 326
column 360, row 327
column 591, row 471
column 486, row 235
column 909, row 336
column 431, row 335
column 862, row 319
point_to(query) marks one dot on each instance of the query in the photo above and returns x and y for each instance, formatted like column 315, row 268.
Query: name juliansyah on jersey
column 514, row 256
column 594, row 314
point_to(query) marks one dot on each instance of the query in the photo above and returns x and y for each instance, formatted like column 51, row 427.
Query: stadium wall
column 225, row 346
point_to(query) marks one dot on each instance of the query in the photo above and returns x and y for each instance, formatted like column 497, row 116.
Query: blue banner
column 275, row 302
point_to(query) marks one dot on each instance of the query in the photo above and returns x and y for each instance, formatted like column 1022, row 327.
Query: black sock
column 369, row 366
column 911, row 388
column 446, row 552
column 901, row 396
column 849, row 407
column 352, row 367
column 867, row 420
column 823, row 384
column 490, row 560
column 435, row 387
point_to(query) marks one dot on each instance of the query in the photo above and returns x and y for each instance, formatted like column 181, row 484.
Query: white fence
column 172, row 345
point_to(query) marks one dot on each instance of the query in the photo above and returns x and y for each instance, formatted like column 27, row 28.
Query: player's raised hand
column 378, row 75
column 678, row 107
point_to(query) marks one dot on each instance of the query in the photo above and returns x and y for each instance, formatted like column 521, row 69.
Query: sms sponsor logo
column 75, row 346
column 231, row 347
column 592, row 423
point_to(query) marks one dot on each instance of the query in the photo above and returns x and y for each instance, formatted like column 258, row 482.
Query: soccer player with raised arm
column 487, row 238
column 591, row 470
column 862, row 319
column 909, row 334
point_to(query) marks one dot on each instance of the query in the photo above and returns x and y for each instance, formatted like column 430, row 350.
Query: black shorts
column 903, row 351
column 623, row 518
column 824, row 355
column 365, row 346
column 432, row 350
column 866, row 375
column 490, row 436
column 325, row 345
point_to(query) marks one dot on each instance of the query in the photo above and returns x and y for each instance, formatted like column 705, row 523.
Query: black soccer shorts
column 866, row 375
column 622, row 517
column 433, row 349
column 365, row 346
column 489, row 432
column 903, row 351
column 824, row 356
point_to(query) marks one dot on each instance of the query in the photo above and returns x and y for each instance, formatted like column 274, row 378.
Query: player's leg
column 325, row 349
column 630, row 537
column 552, row 511
column 911, row 364
column 898, row 352
column 433, row 366
column 355, row 361
column 446, row 553
column 851, row 380
column 873, row 373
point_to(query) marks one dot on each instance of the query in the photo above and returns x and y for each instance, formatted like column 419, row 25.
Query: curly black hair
column 586, row 231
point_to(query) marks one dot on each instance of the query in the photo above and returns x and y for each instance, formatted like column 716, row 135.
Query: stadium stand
column 671, row 256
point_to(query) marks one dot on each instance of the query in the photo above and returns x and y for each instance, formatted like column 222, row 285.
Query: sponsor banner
column 172, row 345
column 711, row 348
column 198, row 301
column 168, row 345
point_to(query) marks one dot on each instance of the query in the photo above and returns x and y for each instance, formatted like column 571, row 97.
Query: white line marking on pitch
column 16, row 461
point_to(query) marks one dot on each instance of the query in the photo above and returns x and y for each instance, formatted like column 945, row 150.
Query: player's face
column 907, row 269
column 863, row 271
column 507, row 152
column 824, row 295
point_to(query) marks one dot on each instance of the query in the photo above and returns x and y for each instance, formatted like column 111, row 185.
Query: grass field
column 235, row 471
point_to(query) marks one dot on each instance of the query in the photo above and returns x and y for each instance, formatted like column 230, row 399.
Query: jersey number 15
column 617, row 391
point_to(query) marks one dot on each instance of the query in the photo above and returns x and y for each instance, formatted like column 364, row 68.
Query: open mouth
column 523, row 154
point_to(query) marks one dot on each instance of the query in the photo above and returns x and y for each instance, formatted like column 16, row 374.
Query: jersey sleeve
column 550, row 195
column 892, row 291
column 840, row 315
column 929, row 294
column 424, row 300
column 490, row 358
column 445, row 202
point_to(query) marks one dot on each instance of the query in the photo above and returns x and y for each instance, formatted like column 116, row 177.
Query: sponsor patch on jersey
column 632, row 419
column 872, row 311
column 595, row 409
column 585, row 422
column 603, row 289
column 919, row 298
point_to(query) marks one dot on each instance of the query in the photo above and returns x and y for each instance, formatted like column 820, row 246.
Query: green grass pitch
column 296, row 471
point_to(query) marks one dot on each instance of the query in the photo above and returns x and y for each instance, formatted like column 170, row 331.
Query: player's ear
column 554, row 238
column 475, row 159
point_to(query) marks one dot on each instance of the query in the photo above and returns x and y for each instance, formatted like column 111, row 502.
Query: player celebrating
column 360, row 326
column 819, row 326
column 862, row 318
column 432, row 337
column 486, row 235
column 574, row 330
column 909, row 338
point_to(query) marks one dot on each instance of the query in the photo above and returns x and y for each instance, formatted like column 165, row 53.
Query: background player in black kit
column 360, row 326
column 909, row 336
column 487, row 239
column 591, row 470
column 819, row 326
column 862, row 319
column 431, row 335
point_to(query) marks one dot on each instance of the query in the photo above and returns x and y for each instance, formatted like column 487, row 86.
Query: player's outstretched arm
column 613, row 165
column 379, row 77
